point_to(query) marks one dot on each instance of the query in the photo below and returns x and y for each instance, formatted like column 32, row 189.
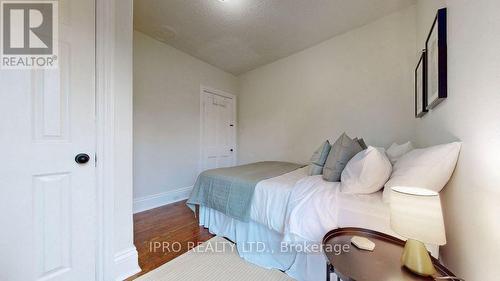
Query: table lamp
column 416, row 214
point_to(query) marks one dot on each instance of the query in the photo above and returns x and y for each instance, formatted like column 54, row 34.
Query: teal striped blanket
column 230, row 190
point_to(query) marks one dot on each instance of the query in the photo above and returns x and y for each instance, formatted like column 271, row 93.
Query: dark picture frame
column 436, row 59
column 421, row 86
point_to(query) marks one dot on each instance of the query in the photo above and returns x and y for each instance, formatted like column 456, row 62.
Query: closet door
column 218, row 131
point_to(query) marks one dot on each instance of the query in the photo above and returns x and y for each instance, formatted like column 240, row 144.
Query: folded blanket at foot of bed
column 230, row 190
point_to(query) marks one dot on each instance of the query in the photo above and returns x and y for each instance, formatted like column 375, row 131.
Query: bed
column 287, row 214
column 290, row 212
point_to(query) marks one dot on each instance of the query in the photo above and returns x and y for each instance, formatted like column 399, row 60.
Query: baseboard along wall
column 145, row 203
column 126, row 263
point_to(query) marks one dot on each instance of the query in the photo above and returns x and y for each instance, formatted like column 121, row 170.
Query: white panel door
column 47, row 200
column 218, row 131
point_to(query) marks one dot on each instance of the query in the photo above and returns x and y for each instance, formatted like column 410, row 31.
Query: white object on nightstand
column 363, row 243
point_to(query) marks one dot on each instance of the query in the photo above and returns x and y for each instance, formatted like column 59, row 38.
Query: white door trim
column 210, row 90
column 109, row 265
column 216, row 92
column 105, row 112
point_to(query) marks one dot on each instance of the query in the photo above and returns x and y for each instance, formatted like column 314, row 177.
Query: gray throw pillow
column 361, row 142
column 342, row 151
column 318, row 159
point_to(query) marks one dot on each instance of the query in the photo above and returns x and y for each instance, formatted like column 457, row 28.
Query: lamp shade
column 416, row 214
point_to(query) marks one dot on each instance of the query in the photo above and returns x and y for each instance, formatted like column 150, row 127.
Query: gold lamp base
column 416, row 258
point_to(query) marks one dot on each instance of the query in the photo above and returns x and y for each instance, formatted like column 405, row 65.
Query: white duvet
column 305, row 208
column 312, row 209
column 283, row 203
column 270, row 199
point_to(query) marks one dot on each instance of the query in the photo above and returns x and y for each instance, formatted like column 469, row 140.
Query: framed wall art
column 436, row 54
column 420, row 86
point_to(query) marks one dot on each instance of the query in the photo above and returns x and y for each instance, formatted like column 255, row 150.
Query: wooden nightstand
column 380, row 265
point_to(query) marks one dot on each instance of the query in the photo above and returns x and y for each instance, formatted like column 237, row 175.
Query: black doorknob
column 82, row 158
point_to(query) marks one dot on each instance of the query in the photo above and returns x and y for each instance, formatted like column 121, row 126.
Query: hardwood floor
column 164, row 233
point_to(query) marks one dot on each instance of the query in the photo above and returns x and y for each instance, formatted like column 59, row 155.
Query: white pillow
column 395, row 151
column 366, row 172
column 429, row 168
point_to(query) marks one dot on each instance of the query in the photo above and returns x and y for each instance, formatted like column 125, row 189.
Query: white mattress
column 270, row 199
column 366, row 211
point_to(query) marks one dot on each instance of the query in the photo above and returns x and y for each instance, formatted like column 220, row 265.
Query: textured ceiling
column 240, row 35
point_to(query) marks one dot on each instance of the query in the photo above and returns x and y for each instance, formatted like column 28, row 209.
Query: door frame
column 210, row 90
column 105, row 124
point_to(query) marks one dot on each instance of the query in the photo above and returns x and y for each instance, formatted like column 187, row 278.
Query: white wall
column 167, row 118
column 125, row 258
column 359, row 82
column 471, row 201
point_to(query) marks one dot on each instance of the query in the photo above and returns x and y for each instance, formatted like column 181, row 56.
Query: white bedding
column 326, row 208
column 292, row 207
column 270, row 199
column 317, row 206
column 366, row 211
column 312, row 210
column 296, row 207
column 281, row 203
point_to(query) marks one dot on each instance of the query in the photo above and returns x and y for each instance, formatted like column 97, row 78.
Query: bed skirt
column 262, row 246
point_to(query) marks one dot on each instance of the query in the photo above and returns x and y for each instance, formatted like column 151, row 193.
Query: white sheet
column 317, row 206
column 366, row 211
column 270, row 199
column 371, row 212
